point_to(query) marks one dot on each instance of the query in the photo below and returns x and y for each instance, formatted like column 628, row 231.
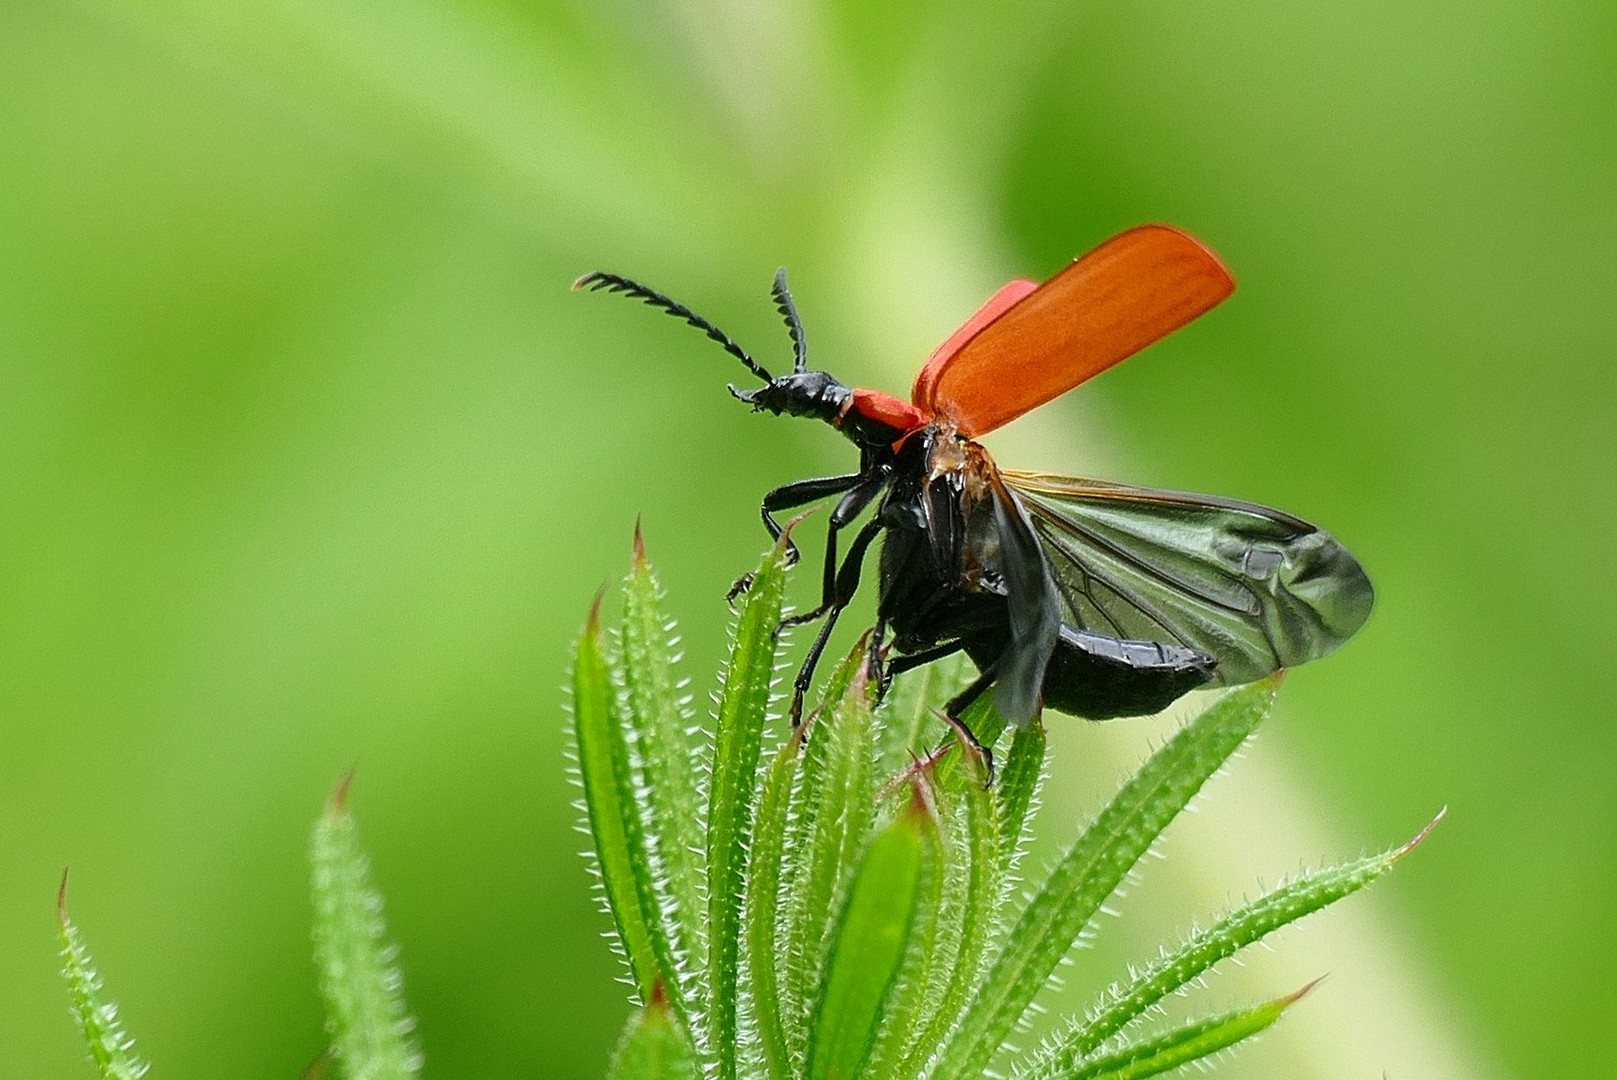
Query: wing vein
column 1120, row 591
column 1145, row 568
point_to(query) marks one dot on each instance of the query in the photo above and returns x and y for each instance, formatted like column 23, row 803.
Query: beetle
column 1097, row 599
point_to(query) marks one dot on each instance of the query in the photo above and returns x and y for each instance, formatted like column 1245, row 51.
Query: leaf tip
column 61, row 899
column 592, row 627
column 338, row 803
column 639, row 545
column 923, row 795
column 319, row 1068
column 860, row 686
column 1270, row 684
column 1293, row 998
column 786, row 530
column 1416, row 840
column 977, row 757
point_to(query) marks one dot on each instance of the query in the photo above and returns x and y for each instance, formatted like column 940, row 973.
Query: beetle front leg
column 875, row 671
column 789, row 497
column 846, row 584
column 850, row 506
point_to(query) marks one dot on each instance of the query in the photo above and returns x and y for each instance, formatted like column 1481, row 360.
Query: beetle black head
column 813, row 394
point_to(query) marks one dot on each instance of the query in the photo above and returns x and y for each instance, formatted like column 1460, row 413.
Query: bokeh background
column 309, row 460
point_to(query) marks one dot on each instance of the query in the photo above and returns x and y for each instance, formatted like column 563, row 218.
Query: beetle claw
column 739, row 586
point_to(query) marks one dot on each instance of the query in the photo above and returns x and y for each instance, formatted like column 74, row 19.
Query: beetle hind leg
column 957, row 705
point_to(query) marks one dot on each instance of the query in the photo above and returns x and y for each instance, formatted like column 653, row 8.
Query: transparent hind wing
column 1256, row 588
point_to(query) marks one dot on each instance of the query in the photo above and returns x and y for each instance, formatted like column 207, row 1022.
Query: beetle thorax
column 960, row 463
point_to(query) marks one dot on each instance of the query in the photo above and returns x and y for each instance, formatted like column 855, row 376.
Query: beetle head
column 813, row 394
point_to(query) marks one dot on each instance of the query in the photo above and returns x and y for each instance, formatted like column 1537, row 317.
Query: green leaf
column 359, row 982
column 110, row 1047
column 933, row 946
column 1019, row 780
column 884, row 953
column 737, row 736
column 869, row 943
column 909, row 724
column 1185, row 1044
column 1093, row 867
column 846, row 674
column 977, row 890
column 669, row 793
column 1240, row 928
column 763, row 906
column 798, row 970
column 654, row 1046
column 611, row 800
column 835, row 807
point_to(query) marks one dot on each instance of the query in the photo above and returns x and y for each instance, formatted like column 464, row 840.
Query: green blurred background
column 309, row 460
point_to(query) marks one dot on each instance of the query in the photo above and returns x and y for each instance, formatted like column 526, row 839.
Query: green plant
column 110, row 1047
column 366, row 1020
column 838, row 905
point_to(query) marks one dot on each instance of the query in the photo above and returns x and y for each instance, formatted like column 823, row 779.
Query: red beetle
column 1095, row 598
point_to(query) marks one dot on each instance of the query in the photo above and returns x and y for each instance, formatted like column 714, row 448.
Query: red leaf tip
column 319, row 1068
column 918, row 768
column 1415, row 841
column 923, row 801
column 339, row 794
column 593, row 626
column 786, row 532
column 1291, row 999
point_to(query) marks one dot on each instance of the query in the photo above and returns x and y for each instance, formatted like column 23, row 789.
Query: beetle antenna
column 788, row 311
column 596, row 281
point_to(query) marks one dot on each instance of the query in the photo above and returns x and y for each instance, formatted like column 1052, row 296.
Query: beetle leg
column 846, row 584
column 874, row 668
column 787, row 497
column 848, row 507
column 960, row 702
column 900, row 664
column 801, row 493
